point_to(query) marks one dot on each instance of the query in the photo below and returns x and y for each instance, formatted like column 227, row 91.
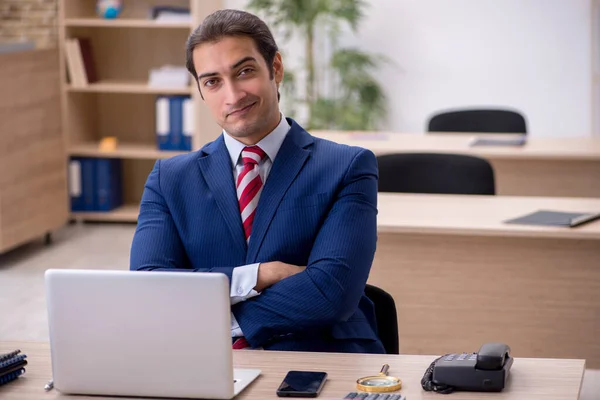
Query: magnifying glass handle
column 384, row 369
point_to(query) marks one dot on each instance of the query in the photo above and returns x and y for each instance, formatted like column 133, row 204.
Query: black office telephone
column 484, row 371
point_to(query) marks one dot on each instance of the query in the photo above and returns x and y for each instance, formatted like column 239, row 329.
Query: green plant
column 355, row 100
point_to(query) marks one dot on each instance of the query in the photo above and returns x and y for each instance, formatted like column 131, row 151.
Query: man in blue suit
column 289, row 218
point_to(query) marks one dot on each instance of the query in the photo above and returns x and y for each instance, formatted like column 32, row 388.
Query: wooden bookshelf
column 124, row 23
column 112, row 86
column 121, row 103
column 125, row 213
column 123, row 150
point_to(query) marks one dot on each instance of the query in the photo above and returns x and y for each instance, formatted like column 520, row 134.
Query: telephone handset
column 484, row 371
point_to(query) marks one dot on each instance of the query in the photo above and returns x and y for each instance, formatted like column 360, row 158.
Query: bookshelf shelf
column 125, row 213
column 111, row 86
column 124, row 23
column 123, row 150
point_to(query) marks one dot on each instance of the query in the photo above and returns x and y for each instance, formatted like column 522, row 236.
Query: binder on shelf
column 162, row 122
column 174, row 123
column 81, row 184
column 188, row 123
column 95, row 184
column 109, row 193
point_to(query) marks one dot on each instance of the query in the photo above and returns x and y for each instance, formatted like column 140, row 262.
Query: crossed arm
column 329, row 289
column 333, row 280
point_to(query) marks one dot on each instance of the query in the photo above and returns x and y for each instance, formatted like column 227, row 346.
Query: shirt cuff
column 243, row 281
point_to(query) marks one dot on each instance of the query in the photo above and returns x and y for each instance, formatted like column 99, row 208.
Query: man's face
column 236, row 84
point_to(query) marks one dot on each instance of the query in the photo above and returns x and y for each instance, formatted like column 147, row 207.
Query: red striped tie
column 249, row 186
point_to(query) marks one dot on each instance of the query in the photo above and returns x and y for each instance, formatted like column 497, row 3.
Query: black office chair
column 435, row 173
column 387, row 320
column 488, row 121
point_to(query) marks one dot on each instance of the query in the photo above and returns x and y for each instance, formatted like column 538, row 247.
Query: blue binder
column 162, row 122
column 174, row 123
column 109, row 193
column 81, row 184
column 188, row 122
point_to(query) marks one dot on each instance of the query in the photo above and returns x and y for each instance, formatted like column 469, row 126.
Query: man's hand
column 272, row 272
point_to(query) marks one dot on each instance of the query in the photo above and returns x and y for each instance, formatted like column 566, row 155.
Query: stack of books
column 95, row 184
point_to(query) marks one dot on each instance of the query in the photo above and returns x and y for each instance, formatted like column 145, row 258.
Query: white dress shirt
column 243, row 278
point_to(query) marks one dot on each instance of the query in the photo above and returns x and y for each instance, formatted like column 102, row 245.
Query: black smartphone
column 302, row 384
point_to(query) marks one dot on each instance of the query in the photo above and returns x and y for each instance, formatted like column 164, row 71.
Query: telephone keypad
column 461, row 357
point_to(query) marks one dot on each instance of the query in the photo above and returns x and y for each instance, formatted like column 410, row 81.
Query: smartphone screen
column 302, row 384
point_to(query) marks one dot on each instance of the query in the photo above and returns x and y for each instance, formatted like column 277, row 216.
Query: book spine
column 75, row 185
column 108, row 178
column 176, row 122
column 162, row 122
column 116, row 185
column 88, row 184
column 188, row 123
column 79, row 64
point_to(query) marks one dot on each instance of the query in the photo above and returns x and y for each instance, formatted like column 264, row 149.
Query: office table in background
column 461, row 277
column 531, row 379
column 557, row 167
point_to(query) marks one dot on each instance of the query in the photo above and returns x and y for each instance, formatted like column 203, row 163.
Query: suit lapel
column 289, row 161
column 215, row 165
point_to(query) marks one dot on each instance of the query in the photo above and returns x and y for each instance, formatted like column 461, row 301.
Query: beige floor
column 22, row 303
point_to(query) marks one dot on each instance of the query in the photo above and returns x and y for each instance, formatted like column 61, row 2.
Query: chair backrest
column 435, row 173
column 387, row 320
column 488, row 121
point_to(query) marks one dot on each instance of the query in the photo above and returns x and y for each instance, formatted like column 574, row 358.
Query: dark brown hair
column 223, row 23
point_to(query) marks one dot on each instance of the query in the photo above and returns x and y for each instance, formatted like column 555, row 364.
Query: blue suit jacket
column 318, row 208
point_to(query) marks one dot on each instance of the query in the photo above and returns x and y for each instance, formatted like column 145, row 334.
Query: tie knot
column 252, row 155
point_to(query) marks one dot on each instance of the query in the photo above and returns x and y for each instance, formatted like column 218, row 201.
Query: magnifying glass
column 379, row 383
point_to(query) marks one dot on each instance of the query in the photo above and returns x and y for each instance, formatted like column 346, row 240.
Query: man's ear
column 278, row 68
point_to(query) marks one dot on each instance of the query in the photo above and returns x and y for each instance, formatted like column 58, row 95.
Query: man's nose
column 234, row 94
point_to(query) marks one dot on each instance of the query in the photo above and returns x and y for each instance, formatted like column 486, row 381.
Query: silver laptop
column 153, row 334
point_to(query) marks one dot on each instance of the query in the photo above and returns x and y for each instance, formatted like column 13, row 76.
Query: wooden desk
column 531, row 379
column 561, row 167
column 460, row 277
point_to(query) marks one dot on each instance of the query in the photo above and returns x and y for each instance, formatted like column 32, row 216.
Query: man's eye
column 246, row 71
column 210, row 82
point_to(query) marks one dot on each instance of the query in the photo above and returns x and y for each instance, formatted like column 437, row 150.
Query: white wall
column 532, row 55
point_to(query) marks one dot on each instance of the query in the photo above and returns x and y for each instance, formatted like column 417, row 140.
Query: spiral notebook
column 11, row 366
column 555, row 218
